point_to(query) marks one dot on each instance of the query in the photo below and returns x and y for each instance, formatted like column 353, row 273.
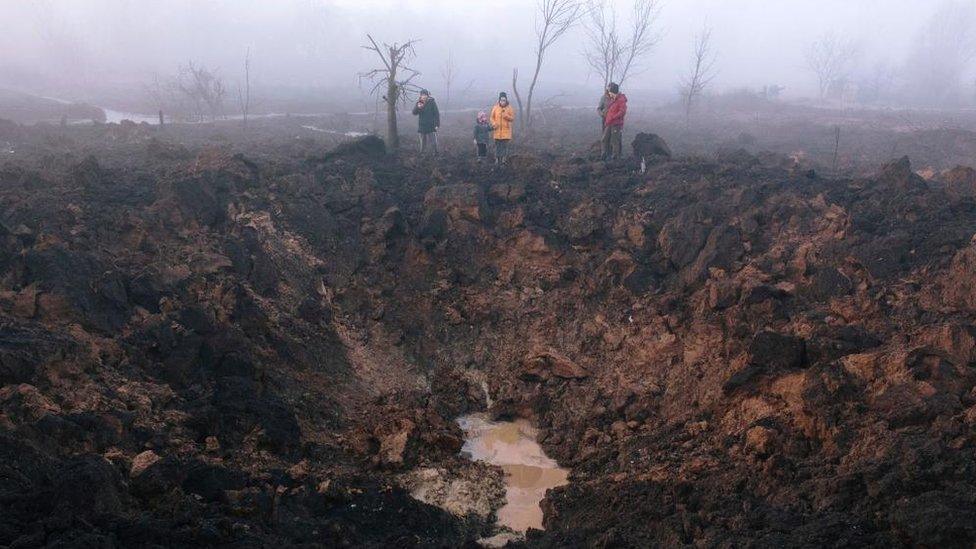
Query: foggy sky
column 295, row 43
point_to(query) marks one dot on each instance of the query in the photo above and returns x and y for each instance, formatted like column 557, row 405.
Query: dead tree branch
column 702, row 71
column 643, row 37
column 553, row 19
column 518, row 96
column 244, row 91
column 603, row 49
column 449, row 72
column 610, row 54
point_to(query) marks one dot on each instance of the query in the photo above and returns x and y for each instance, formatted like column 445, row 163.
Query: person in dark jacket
column 602, row 107
column 482, row 134
column 613, row 123
column 429, row 120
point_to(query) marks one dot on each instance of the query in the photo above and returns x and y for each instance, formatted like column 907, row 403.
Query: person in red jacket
column 613, row 123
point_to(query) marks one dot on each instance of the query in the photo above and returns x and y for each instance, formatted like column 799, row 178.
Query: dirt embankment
column 206, row 348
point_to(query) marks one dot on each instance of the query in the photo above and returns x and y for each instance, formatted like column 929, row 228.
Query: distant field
column 28, row 109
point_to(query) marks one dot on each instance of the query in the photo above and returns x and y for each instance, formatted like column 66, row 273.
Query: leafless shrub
column 203, row 88
column 830, row 58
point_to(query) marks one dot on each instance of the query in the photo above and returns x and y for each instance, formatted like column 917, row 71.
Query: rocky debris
column 142, row 461
column 960, row 181
column 509, row 192
column 392, row 224
column 957, row 341
column 89, row 486
column 464, row 201
column 526, row 164
column 584, row 220
column 682, row 238
column 167, row 150
column 363, row 148
column 399, row 434
column 960, row 285
column 772, row 351
column 26, row 402
column 761, row 440
column 205, row 190
column 901, row 177
column 393, row 438
column 546, row 364
column 468, row 488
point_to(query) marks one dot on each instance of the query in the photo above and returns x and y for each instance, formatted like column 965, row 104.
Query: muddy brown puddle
column 529, row 472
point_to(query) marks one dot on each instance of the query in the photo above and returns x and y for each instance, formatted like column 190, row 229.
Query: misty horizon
column 75, row 50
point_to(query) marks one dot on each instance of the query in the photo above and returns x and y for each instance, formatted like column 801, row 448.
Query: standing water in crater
column 512, row 446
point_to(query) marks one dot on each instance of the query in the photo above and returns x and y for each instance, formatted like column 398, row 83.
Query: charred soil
column 202, row 347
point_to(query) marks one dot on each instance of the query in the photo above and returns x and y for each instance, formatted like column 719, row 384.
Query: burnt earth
column 202, row 347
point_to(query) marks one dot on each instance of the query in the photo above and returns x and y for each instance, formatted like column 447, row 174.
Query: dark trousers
column 501, row 149
column 612, row 142
column 482, row 150
column 428, row 143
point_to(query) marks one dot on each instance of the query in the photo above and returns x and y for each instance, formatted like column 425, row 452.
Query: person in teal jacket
column 482, row 135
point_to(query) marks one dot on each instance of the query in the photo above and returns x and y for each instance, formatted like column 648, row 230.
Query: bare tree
column 518, row 96
column 244, row 91
column 643, row 38
column 610, row 54
column 203, row 88
column 830, row 58
column 466, row 91
column 391, row 74
column 702, row 71
column 944, row 49
column 553, row 19
column 158, row 95
column 449, row 72
column 878, row 82
column 602, row 50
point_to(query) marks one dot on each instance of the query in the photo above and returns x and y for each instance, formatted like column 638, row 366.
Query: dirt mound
column 362, row 148
column 650, row 147
column 960, row 181
column 723, row 352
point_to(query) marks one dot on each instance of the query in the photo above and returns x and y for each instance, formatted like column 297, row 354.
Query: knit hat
column 503, row 95
column 614, row 87
column 424, row 92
